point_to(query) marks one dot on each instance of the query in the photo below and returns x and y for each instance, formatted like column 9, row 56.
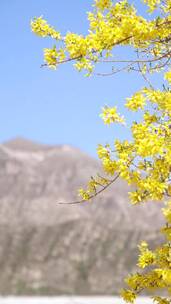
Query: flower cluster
column 158, row 265
column 112, row 24
column 41, row 28
column 110, row 115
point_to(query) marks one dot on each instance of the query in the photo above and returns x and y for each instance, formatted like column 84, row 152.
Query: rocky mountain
column 52, row 249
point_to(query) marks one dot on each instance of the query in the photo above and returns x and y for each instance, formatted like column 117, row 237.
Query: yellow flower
column 128, row 295
column 41, row 28
column 50, row 56
column 137, row 101
column 110, row 115
column 168, row 76
column 167, row 211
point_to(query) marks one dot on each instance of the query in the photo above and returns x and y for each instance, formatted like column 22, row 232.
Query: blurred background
column 50, row 128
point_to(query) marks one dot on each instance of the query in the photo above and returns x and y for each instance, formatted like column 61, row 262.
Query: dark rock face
column 52, row 249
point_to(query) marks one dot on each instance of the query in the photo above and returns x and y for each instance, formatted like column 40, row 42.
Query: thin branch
column 143, row 75
column 135, row 61
column 93, row 195
column 93, row 52
column 114, row 71
column 110, row 46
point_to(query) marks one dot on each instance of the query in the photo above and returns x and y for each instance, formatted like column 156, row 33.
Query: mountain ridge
column 47, row 248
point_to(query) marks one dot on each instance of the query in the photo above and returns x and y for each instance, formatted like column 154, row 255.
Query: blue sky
column 53, row 107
